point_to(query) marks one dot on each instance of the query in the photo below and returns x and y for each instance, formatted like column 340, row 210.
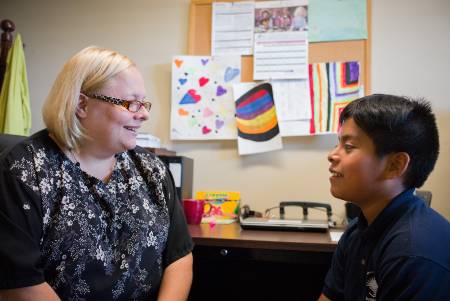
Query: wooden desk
column 235, row 264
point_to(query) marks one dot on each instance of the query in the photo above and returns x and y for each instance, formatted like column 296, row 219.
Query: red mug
column 193, row 210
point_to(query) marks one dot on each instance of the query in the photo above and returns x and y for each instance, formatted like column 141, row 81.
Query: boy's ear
column 81, row 110
column 397, row 165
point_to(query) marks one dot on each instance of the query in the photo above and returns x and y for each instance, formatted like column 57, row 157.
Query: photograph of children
column 263, row 20
column 278, row 19
column 300, row 19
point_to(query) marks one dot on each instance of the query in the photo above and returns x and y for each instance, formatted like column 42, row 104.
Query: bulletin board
column 199, row 43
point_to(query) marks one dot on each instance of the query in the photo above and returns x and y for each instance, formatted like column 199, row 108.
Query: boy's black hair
column 399, row 124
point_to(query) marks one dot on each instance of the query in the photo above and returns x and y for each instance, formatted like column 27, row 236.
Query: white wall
column 411, row 52
column 411, row 56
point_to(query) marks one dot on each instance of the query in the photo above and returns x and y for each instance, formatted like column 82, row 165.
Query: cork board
column 199, row 43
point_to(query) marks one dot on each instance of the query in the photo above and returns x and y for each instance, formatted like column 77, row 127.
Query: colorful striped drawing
column 256, row 118
column 332, row 85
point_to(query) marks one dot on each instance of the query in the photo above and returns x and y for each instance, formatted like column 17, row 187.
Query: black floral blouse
column 88, row 239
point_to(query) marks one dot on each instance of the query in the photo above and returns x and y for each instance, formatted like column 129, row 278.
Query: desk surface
column 232, row 235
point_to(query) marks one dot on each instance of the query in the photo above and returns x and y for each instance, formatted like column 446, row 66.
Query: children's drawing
column 333, row 86
column 256, row 118
column 202, row 99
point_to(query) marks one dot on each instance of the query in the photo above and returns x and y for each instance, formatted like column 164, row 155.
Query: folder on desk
column 262, row 223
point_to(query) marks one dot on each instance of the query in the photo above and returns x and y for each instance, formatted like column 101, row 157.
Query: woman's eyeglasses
column 131, row 105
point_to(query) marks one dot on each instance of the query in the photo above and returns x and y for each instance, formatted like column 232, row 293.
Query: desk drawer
column 267, row 255
column 257, row 274
column 222, row 253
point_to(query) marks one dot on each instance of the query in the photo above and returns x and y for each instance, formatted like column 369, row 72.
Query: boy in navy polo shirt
column 398, row 248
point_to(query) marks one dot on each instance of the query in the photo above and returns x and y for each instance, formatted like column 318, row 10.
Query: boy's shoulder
column 419, row 233
column 414, row 230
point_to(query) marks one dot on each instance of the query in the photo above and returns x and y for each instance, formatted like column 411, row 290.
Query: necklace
column 75, row 158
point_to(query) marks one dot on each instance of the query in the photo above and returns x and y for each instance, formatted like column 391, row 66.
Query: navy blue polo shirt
column 403, row 255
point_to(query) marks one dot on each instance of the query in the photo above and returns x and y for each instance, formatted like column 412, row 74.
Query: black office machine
column 182, row 170
column 305, row 206
column 281, row 223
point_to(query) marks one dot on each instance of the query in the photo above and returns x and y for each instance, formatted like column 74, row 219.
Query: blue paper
column 337, row 20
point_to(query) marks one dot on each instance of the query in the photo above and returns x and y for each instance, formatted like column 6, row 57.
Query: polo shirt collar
column 389, row 214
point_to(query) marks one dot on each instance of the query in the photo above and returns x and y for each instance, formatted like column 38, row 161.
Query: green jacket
column 15, row 115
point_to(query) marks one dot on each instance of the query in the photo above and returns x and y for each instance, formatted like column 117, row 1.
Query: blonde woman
column 84, row 213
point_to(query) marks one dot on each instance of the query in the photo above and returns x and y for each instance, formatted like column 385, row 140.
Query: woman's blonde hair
column 86, row 72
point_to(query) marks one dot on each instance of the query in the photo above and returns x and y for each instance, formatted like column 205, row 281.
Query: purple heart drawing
column 231, row 73
column 220, row 91
column 182, row 81
column 204, row 61
column 219, row 123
